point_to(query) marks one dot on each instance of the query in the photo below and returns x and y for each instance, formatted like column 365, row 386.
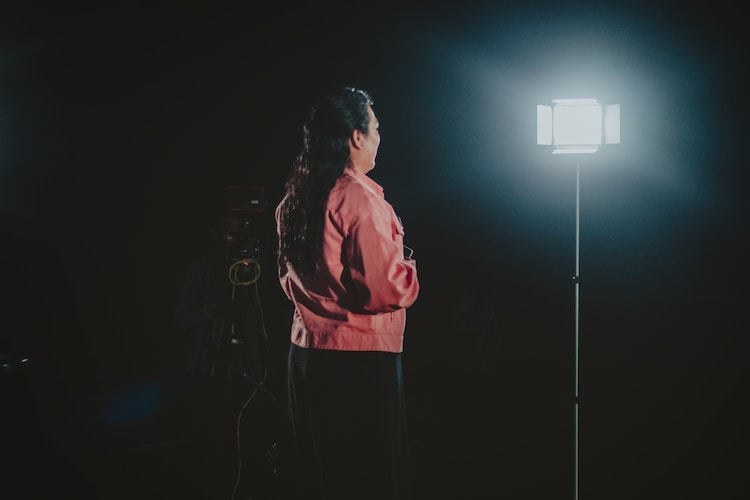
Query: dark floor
column 663, row 415
column 126, row 443
column 467, row 443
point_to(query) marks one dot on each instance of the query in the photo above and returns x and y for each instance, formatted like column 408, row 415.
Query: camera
column 239, row 239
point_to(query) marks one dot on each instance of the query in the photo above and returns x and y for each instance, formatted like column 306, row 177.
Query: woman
column 341, row 262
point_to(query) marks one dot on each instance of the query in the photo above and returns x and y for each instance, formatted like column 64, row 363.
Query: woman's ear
column 357, row 139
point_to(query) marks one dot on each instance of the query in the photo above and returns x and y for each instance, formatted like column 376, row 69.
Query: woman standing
column 341, row 262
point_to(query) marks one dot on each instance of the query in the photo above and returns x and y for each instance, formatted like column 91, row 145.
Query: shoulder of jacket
column 350, row 190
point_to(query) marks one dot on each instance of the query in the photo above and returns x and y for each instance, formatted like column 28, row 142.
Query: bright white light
column 577, row 125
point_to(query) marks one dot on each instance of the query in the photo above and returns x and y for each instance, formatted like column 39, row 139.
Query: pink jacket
column 359, row 301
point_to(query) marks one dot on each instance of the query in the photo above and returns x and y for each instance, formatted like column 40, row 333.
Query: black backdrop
column 122, row 126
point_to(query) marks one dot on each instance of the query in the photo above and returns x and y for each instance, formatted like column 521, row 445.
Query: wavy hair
column 323, row 157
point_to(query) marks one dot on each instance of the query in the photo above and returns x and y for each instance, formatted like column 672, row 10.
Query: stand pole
column 577, row 283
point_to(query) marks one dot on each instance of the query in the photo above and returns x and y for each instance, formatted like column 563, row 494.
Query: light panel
column 577, row 125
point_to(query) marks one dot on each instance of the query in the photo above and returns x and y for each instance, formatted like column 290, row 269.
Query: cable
column 233, row 278
column 233, row 270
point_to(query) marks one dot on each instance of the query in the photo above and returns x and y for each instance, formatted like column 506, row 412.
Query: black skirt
column 348, row 424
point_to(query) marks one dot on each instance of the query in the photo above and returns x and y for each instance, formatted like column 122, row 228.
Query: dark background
column 122, row 126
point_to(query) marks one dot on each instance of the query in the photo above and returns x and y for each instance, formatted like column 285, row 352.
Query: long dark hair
column 321, row 161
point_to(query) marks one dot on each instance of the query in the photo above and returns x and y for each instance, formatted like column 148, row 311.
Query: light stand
column 577, row 126
column 576, row 285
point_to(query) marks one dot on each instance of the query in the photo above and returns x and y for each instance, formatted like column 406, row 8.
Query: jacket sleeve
column 381, row 279
column 285, row 281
